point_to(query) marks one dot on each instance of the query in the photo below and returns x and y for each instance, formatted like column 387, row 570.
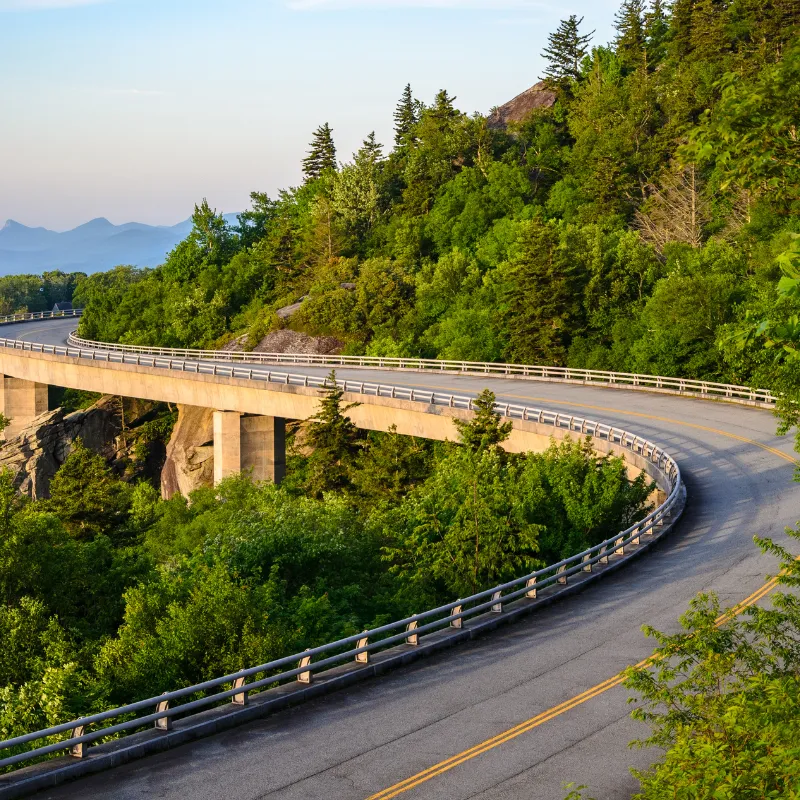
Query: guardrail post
column 239, row 699
column 497, row 607
column 78, row 750
column 362, row 657
column 305, row 677
column 457, row 622
column 620, row 550
column 412, row 638
column 163, row 723
column 587, row 566
column 635, row 539
column 604, row 554
column 530, row 584
column 562, row 578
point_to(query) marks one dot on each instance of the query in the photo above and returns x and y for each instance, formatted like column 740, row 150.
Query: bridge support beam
column 254, row 444
column 21, row 401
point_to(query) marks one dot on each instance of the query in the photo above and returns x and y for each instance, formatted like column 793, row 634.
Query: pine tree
column 406, row 116
column 681, row 27
column 566, row 49
column 630, row 41
column 485, row 429
column 443, row 107
column 335, row 441
column 321, row 155
column 371, row 150
column 656, row 31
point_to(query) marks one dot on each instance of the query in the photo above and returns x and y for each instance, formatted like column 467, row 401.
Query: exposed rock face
column 516, row 110
column 41, row 447
column 286, row 341
column 190, row 453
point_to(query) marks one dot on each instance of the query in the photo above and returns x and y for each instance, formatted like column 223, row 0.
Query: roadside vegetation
column 109, row 594
column 645, row 220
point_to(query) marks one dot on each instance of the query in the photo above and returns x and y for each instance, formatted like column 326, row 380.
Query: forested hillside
column 633, row 225
column 646, row 220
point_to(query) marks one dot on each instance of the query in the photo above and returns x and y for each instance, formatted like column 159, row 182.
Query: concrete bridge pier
column 21, row 401
column 249, row 443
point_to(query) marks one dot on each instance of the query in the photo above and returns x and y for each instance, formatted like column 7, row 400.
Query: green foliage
column 85, row 495
column 22, row 293
column 485, row 430
column 722, row 696
column 333, row 440
column 321, row 156
column 566, row 49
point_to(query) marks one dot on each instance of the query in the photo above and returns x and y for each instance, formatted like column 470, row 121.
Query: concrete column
column 256, row 444
column 21, row 401
column 227, row 445
column 264, row 447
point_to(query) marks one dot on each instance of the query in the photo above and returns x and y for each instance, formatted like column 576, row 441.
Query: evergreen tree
column 334, row 439
column 485, row 429
column 709, row 37
column 566, row 49
column 371, row 150
column 443, row 106
column 542, row 297
column 681, row 27
column 86, row 496
column 321, row 156
column 630, row 41
column 406, row 116
column 656, row 31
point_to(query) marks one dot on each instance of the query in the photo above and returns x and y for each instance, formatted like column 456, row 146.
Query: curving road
column 360, row 742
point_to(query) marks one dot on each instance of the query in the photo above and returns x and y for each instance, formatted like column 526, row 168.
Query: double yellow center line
column 610, row 683
column 552, row 713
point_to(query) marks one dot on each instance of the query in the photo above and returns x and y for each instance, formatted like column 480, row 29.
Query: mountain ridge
column 93, row 246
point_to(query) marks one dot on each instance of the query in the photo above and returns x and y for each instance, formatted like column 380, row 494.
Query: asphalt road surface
column 361, row 741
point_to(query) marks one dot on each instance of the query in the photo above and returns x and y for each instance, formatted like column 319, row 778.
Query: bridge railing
column 629, row 380
column 32, row 315
column 234, row 688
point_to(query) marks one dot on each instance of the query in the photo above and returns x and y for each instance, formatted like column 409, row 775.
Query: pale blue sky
column 135, row 109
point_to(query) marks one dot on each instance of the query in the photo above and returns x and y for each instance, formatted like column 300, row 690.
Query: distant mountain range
column 95, row 246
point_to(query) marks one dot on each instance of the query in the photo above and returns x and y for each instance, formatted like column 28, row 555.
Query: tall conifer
column 630, row 41
column 656, row 31
column 405, row 116
column 565, row 50
column 321, row 155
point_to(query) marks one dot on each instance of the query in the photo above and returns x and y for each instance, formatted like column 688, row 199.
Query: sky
column 135, row 110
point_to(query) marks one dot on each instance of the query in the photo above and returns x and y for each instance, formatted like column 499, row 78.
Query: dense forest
column 646, row 220
column 635, row 225
column 109, row 594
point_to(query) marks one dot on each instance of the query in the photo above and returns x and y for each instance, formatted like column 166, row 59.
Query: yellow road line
column 546, row 716
column 773, row 450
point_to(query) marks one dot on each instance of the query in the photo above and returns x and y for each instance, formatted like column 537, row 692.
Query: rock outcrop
column 36, row 453
column 286, row 341
column 190, row 453
column 516, row 110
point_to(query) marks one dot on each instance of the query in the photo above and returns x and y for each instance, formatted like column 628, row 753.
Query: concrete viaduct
column 515, row 714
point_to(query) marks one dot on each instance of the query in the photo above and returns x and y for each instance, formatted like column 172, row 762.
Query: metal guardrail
column 300, row 667
column 588, row 376
column 32, row 315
